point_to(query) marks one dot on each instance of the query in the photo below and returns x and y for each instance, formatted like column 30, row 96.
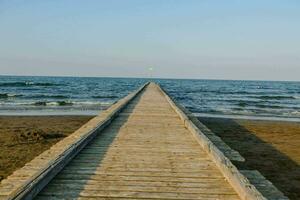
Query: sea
column 37, row 95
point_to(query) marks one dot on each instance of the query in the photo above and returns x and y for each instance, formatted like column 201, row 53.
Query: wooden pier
column 142, row 147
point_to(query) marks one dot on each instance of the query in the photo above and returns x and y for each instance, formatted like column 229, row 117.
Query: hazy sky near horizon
column 216, row 39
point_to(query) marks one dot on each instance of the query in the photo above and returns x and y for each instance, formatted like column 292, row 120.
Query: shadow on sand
column 278, row 168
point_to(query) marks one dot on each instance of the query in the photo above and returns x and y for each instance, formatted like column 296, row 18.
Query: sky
column 199, row 39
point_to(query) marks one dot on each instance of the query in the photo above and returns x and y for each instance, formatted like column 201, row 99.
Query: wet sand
column 23, row 138
column 271, row 147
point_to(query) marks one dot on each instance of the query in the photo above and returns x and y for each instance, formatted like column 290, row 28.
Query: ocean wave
column 269, row 106
column 105, row 96
column 91, row 103
column 221, row 92
column 7, row 95
column 250, row 93
column 40, row 96
column 27, row 84
column 182, row 98
column 245, row 103
column 56, row 103
column 260, row 104
column 53, row 104
column 67, row 103
column 247, row 112
column 227, row 111
column 296, row 113
column 271, row 97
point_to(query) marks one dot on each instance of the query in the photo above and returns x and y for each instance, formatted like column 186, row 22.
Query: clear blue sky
column 234, row 39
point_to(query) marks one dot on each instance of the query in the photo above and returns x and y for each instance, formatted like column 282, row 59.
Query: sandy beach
column 23, row 138
column 272, row 147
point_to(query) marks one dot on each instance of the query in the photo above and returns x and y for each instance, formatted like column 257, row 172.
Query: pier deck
column 145, row 153
column 143, row 147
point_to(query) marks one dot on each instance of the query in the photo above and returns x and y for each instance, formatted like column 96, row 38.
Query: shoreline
column 97, row 112
column 34, row 113
column 248, row 117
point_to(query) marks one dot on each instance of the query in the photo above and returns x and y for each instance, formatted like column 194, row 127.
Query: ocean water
column 77, row 95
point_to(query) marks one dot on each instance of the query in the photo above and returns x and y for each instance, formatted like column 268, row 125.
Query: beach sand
column 23, row 138
column 271, row 147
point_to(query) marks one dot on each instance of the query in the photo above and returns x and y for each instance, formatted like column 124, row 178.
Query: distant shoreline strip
column 96, row 112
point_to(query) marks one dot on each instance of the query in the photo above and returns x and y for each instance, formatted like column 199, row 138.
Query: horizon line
column 157, row 78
